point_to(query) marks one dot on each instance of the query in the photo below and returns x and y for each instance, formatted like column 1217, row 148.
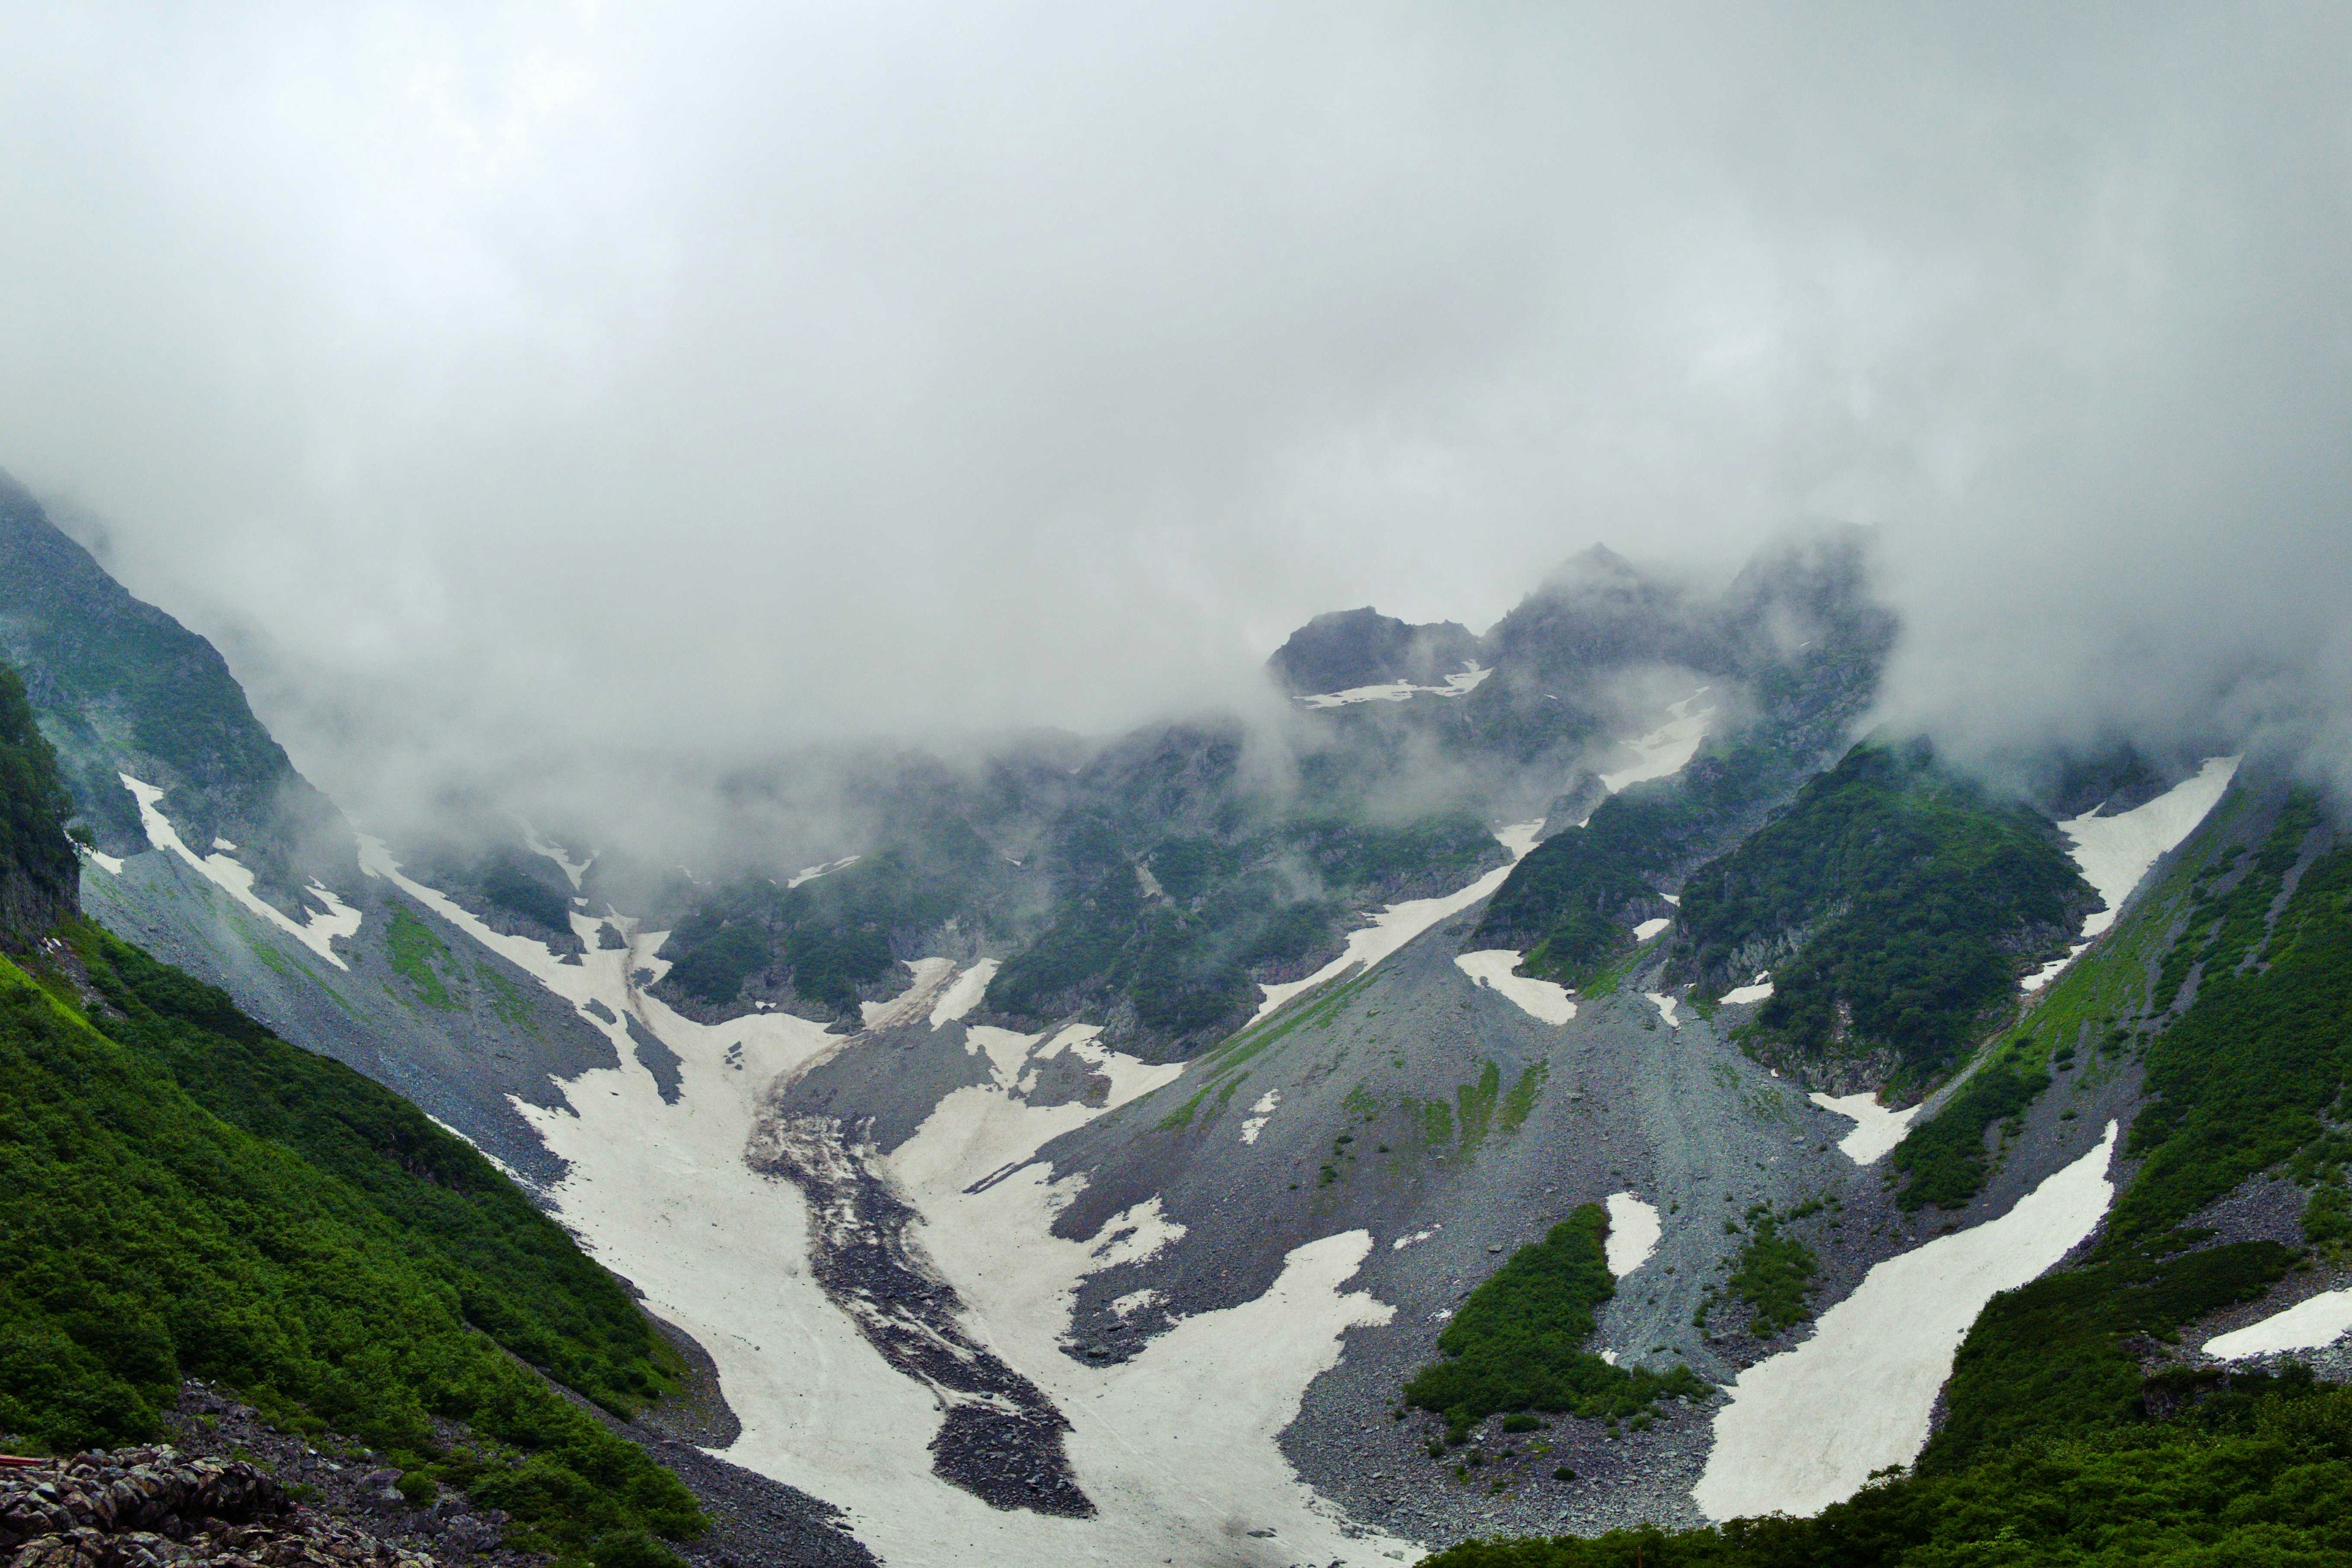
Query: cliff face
column 39, row 875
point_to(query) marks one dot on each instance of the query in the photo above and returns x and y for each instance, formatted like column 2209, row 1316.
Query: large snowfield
column 1176, row 1447
column 1806, row 1427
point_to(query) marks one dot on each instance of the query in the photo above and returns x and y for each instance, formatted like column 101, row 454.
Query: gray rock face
column 1363, row 647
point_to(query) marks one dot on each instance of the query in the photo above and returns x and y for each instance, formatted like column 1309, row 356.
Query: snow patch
column 1674, row 899
column 1805, row 1428
column 1134, row 1301
column 1494, row 967
column 1666, row 748
column 1633, row 1232
column 2305, row 1326
column 318, row 933
column 101, row 859
column 1876, row 1130
column 1755, row 992
column 1402, row 1242
column 1460, row 683
column 931, row 979
column 1398, row 924
column 1665, row 1005
column 1651, row 927
column 811, row 873
column 964, row 996
column 1173, row 1446
column 573, row 870
column 1255, row 1123
column 2114, row 852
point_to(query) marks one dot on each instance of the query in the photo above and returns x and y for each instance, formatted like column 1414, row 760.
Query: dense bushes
column 1944, row 1160
column 38, row 871
column 183, row 1195
column 1907, row 895
column 1517, row 1343
column 2250, row 1074
column 1272, row 894
column 2258, row 1474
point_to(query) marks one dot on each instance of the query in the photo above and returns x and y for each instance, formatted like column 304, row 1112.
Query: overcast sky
column 487, row 376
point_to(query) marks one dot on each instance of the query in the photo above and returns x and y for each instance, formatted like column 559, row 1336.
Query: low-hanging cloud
column 509, row 385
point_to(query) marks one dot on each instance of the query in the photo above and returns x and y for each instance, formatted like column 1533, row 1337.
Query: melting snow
column 1665, row 749
column 1805, row 1428
column 1665, row 1006
column 1402, row 1242
column 1171, row 1446
column 1400, row 923
column 573, row 870
column 1255, row 1123
column 2305, row 1326
column 1539, row 999
column 1459, row 683
column 811, row 873
column 1633, row 1232
column 1651, row 928
column 318, row 933
column 1876, row 1130
column 964, row 996
column 931, row 979
column 101, row 859
column 2114, row 852
column 1758, row 992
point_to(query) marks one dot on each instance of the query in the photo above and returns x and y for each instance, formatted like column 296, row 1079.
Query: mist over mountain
column 502, row 389
column 1236, row 786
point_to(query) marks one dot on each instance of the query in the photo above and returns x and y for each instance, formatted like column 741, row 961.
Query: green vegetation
column 2251, row 1075
column 2257, row 1473
column 182, row 1193
column 1774, row 1273
column 1231, row 905
column 1517, row 1343
column 2056, row 1448
column 832, row 935
column 1903, row 890
column 39, row 870
column 414, row 952
column 2049, row 1358
column 517, row 889
column 1572, row 902
column 1944, row 1160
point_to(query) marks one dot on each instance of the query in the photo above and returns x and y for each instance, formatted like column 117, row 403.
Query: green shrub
column 1517, row 1342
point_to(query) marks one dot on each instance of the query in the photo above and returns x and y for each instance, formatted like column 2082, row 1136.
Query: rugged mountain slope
column 2104, row 1412
column 1085, row 1157
column 182, row 1193
column 121, row 687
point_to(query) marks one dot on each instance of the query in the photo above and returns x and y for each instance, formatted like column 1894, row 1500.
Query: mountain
column 1575, row 1078
column 1350, row 649
column 185, row 1195
column 121, row 687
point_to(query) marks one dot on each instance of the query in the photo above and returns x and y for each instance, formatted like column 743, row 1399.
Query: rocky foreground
column 143, row 1507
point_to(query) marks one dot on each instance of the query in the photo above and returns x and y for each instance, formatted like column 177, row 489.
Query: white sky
column 488, row 377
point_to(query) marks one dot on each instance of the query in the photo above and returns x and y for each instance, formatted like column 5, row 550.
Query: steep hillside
column 2104, row 1412
column 38, row 869
column 183, row 1195
column 121, row 687
column 1896, row 906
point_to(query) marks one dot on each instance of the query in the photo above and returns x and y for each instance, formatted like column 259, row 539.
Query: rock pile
column 149, row 1508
